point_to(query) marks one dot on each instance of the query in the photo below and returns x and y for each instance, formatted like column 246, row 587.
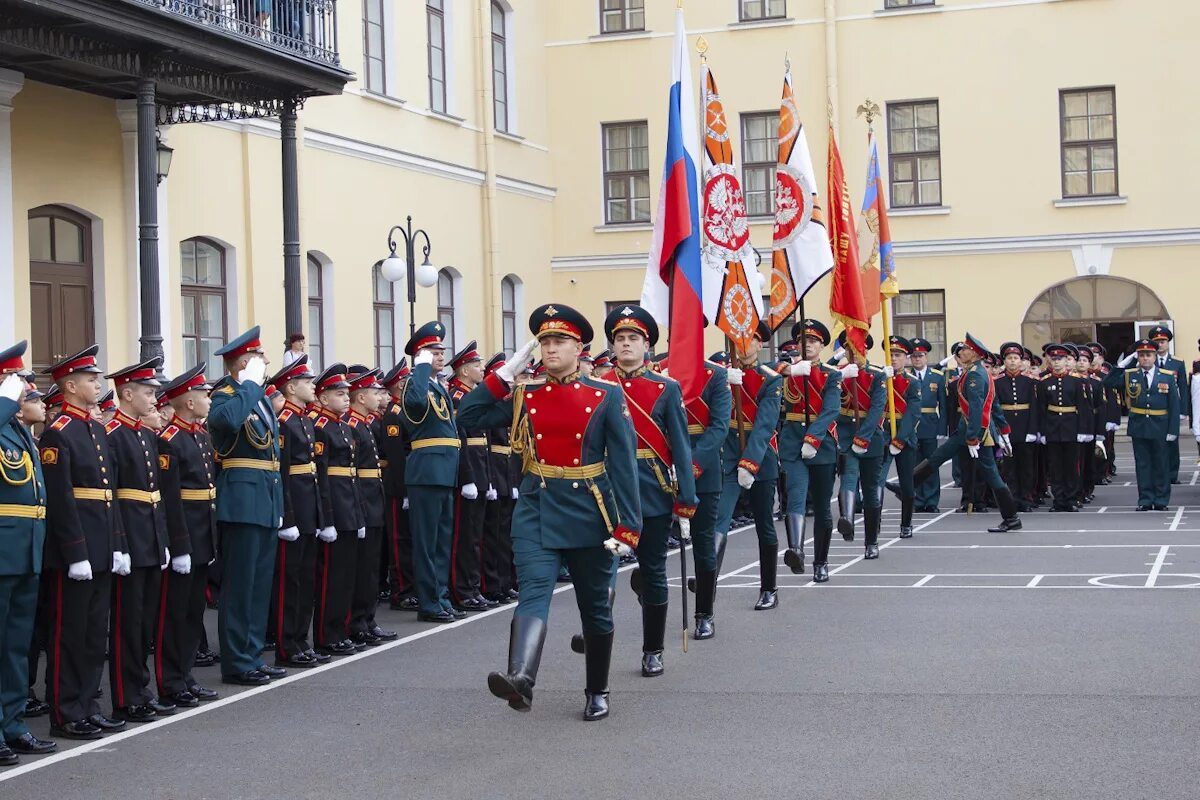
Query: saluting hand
column 512, row 366
column 12, row 387
column 254, row 371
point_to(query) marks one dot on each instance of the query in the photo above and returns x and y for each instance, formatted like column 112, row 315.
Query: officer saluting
column 1153, row 422
column 23, row 514
column 249, row 508
column 1167, row 364
column 578, row 500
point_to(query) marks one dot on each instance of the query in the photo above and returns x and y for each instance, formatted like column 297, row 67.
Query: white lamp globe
column 393, row 268
column 427, row 274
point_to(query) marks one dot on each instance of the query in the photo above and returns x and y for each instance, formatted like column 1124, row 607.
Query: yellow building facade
column 1036, row 153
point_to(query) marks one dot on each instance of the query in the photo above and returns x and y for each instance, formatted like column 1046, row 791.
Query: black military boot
column 768, row 566
column 921, row 473
column 598, row 655
column 578, row 644
column 872, row 519
column 635, row 583
column 654, row 629
column 525, row 639
column 706, row 587
column 845, row 522
column 820, row 572
column 906, row 512
column 1008, row 512
column 793, row 557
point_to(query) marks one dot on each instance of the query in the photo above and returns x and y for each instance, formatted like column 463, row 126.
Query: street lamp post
column 395, row 268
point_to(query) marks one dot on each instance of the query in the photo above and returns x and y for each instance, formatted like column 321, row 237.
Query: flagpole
column 869, row 110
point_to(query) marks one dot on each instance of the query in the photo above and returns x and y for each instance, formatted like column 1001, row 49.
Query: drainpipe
column 487, row 145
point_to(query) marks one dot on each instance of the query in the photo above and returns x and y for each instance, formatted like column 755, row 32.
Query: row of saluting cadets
column 499, row 479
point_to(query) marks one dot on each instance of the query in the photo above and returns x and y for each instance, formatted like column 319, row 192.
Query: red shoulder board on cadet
column 285, row 415
column 169, row 433
column 112, row 425
column 61, row 422
column 321, row 422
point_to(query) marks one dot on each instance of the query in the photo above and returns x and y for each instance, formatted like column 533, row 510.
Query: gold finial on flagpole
column 870, row 110
column 702, row 47
column 829, row 110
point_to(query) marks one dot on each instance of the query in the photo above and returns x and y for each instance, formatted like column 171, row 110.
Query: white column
column 10, row 83
column 127, row 115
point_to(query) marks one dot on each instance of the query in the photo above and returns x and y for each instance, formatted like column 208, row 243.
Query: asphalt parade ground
column 1055, row 662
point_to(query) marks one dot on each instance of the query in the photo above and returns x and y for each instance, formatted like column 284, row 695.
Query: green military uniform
column 862, row 443
column 906, row 401
column 931, row 423
column 245, row 436
column 1153, row 423
column 1169, row 365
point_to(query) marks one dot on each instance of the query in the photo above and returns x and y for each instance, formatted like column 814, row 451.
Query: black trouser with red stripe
column 134, row 612
column 333, row 588
column 77, row 624
column 292, row 595
column 464, row 547
column 495, row 547
column 399, row 549
column 366, row 582
column 1020, row 471
column 180, row 620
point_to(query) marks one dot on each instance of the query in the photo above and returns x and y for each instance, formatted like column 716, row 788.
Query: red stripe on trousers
column 56, row 668
column 162, row 616
column 399, row 576
column 324, row 594
column 119, row 700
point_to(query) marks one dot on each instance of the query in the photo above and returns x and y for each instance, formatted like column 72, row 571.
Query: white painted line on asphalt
column 949, row 485
column 1178, row 517
column 1195, row 474
column 1092, row 531
column 1034, row 581
column 1126, row 483
column 1102, row 509
column 916, row 548
column 923, row 581
column 1152, row 578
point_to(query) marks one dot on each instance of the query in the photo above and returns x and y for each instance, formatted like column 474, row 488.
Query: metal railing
column 306, row 28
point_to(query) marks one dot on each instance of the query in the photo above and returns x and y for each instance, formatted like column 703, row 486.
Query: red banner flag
column 846, row 302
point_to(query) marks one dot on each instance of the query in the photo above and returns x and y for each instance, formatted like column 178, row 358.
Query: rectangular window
column 760, row 156
column 437, row 55
column 906, row 3
column 499, row 68
column 373, row 34
column 1089, row 142
column 202, row 279
column 922, row 313
column 384, row 308
column 619, row 16
column 626, row 173
column 508, row 311
column 316, row 317
column 915, row 157
column 762, row 9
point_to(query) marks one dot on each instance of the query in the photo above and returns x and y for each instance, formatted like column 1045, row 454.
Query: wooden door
column 60, row 285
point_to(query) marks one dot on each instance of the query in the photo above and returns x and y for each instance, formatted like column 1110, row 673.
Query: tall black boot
column 768, row 565
column 921, row 473
column 598, row 656
column 525, row 639
column 578, row 643
column 706, row 587
column 822, row 538
column 845, row 523
column 793, row 557
column 872, row 519
column 654, row 628
column 906, row 512
column 722, row 540
column 1008, row 512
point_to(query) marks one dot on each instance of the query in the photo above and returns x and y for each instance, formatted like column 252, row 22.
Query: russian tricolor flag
column 672, row 292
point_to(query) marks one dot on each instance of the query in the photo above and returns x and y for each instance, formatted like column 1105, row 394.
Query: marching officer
column 931, row 423
column 185, row 465
column 496, row 572
column 143, row 518
column 906, row 400
column 812, row 394
column 364, row 402
column 1017, row 393
column 394, row 449
column 431, row 474
column 578, row 499
column 341, row 509
column 85, row 544
column 750, row 458
column 666, row 481
column 474, row 492
column 245, row 436
column 23, row 514
column 861, row 441
column 295, row 568
column 1153, row 422
column 1167, row 364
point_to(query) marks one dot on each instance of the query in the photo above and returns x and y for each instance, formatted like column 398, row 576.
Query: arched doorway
column 62, row 311
column 1112, row 311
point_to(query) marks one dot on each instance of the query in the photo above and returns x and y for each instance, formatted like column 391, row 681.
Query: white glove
column 491, row 494
column 617, row 548
column 850, row 370
column 859, row 451
column 404, row 504
column 327, row 535
column 745, row 478
column 80, row 571
column 973, row 449
column 1126, row 360
column 1041, row 438
column 685, row 529
column 889, row 371
column 470, row 491
column 1030, row 438
column 807, row 451
column 122, row 563
column 512, row 366
column 423, row 357
column 839, row 353
column 362, row 533
column 515, row 493
column 1171, row 437
column 1111, row 426
column 802, row 368
column 13, row 387
column 1081, row 437
column 182, row 564
column 894, row 450
column 945, row 361
column 734, row 375
column 1103, row 451
column 289, row 534
column 255, row 370
column 1006, row 444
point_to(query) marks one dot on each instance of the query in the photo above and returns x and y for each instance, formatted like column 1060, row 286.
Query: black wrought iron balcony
column 306, row 28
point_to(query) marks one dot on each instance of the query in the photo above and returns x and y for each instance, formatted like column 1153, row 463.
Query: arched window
column 316, row 316
column 384, row 305
column 446, row 297
column 203, row 286
column 499, row 67
column 61, row 304
column 1112, row 311
column 508, row 313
